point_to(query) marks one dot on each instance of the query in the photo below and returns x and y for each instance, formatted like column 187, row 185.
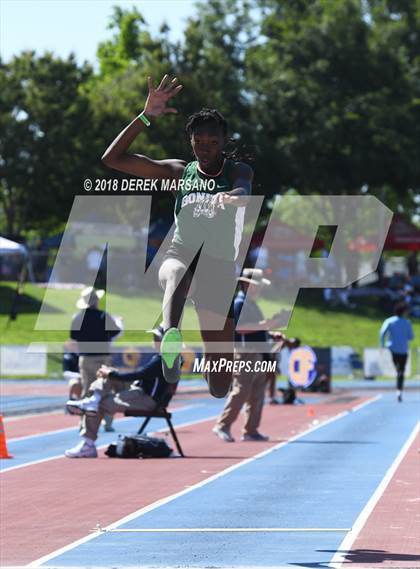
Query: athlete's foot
column 170, row 350
column 399, row 396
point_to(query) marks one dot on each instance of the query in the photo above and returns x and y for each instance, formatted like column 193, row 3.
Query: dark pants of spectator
column 400, row 361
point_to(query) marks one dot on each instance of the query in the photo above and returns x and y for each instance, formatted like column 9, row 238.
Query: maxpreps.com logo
column 302, row 367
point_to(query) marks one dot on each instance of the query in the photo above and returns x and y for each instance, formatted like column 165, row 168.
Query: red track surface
column 33, row 388
column 23, row 426
column 394, row 524
column 49, row 505
column 38, row 424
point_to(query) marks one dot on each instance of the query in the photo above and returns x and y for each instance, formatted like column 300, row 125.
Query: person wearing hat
column 146, row 387
column 251, row 336
column 92, row 329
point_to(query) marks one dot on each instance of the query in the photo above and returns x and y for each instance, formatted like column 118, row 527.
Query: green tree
column 211, row 62
column 326, row 91
column 45, row 126
column 334, row 101
column 118, row 91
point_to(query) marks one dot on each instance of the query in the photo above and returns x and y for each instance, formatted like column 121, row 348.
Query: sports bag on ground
column 139, row 446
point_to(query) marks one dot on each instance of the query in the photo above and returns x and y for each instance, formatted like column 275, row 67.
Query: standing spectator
column 248, row 386
column 398, row 332
column 412, row 264
column 93, row 330
column 380, row 270
column 71, row 369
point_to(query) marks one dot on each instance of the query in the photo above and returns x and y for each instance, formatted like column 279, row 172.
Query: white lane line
column 31, row 415
column 50, row 433
column 340, row 556
column 217, row 530
column 13, row 418
column 171, row 498
column 56, row 456
column 67, row 429
column 156, row 566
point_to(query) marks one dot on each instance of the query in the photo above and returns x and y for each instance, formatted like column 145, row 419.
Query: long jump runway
column 332, row 490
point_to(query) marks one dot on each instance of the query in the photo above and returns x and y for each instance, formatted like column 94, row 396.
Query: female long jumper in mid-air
column 214, row 217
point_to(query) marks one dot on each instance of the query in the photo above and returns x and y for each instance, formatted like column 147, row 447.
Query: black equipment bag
column 139, row 446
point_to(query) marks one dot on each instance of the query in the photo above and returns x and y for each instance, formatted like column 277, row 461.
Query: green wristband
column 144, row 119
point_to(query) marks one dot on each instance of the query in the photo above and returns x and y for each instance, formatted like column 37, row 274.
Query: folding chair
column 159, row 412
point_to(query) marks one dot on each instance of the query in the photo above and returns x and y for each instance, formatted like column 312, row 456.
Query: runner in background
column 397, row 332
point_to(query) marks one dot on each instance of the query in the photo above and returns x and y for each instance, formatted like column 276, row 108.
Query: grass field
column 311, row 321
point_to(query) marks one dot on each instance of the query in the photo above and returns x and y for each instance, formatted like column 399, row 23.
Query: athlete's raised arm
column 116, row 155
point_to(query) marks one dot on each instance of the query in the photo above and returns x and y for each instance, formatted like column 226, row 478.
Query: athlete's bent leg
column 218, row 350
column 175, row 279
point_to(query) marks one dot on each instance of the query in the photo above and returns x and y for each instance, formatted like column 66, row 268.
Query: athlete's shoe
column 257, row 437
column 223, row 434
column 219, row 384
column 85, row 406
column 82, row 450
column 170, row 350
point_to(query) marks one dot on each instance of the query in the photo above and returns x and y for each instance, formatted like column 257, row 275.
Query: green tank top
column 198, row 221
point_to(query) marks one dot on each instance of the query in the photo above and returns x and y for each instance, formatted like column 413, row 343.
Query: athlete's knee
column 177, row 275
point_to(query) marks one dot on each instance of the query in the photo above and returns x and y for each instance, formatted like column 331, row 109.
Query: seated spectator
column 415, row 281
column 338, row 297
column 415, row 307
column 396, row 281
column 147, row 386
column 408, row 290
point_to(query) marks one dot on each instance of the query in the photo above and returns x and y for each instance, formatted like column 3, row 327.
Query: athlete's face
column 207, row 142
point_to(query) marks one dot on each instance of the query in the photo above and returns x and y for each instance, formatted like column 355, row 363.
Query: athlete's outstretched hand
column 225, row 198
column 157, row 99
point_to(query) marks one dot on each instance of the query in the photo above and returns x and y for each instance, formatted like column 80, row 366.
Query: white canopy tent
column 8, row 247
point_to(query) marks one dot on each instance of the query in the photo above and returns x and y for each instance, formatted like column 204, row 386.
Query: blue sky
column 63, row 26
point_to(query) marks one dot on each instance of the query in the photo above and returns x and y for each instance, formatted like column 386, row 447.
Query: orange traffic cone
column 311, row 411
column 3, row 446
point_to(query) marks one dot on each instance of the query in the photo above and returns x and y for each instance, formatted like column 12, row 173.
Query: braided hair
column 212, row 116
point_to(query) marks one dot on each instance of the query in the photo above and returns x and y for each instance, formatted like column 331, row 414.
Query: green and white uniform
column 197, row 220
